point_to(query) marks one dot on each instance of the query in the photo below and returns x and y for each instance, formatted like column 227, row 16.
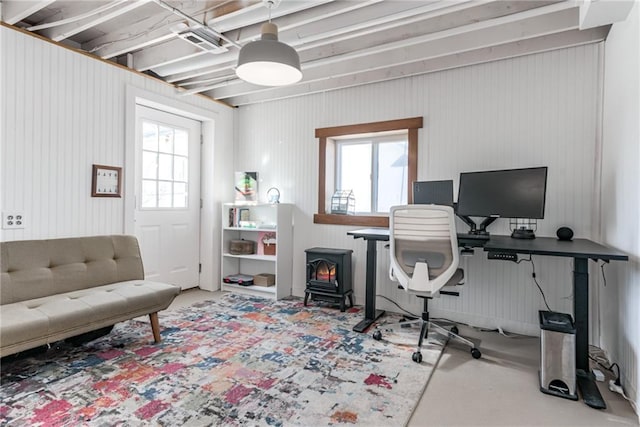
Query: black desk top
column 576, row 248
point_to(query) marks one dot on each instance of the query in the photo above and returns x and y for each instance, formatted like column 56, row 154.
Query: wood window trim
column 411, row 125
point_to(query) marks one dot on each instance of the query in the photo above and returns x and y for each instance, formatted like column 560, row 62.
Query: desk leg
column 586, row 381
column 370, row 312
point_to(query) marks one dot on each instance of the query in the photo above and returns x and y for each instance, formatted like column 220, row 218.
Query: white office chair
column 424, row 259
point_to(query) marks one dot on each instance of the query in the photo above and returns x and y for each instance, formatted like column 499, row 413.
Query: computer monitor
column 433, row 192
column 512, row 193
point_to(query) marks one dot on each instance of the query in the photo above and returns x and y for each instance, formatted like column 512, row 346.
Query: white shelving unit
column 263, row 218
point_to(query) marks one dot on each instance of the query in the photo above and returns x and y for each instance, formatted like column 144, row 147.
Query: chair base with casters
column 425, row 326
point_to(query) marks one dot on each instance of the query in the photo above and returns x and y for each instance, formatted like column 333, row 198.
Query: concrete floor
column 499, row 389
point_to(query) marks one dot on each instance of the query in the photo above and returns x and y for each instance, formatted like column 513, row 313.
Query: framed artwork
column 106, row 181
column 246, row 186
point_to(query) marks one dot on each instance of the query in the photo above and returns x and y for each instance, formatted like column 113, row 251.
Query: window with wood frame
column 379, row 158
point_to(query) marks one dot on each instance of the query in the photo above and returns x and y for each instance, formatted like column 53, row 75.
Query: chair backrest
column 423, row 247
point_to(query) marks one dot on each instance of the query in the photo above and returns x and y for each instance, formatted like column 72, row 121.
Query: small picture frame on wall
column 106, row 181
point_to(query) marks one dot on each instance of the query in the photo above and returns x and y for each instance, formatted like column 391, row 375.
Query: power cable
column 396, row 304
column 535, row 280
column 604, row 278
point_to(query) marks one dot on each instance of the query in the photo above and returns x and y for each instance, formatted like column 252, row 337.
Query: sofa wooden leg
column 155, row 327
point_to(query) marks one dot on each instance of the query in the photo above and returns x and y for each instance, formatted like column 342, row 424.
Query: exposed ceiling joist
column 65, row 31
column 349, row 23
column 156, row 56
column 383, row 29
column 146, row 32
column 194, row 44
column 15, row 11
column 478, row 56
column 454, row 40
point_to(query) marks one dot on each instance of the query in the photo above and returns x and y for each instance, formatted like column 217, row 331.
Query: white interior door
column 167, row 214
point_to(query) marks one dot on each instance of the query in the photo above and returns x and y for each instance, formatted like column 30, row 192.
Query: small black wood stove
column 329, row 276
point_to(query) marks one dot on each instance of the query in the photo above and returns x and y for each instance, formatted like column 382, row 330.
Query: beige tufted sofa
column 59, row 288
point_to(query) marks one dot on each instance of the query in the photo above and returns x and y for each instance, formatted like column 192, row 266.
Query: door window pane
column 165, row 194
column 149, row 165
column 165, row 166
column 149, row 136
column 149, row 194
column 181, row 142
column 166, row 140
column 180, row 168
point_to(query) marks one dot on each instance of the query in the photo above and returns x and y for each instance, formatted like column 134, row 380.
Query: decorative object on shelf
column 106, row 181
column 269, row 62
column 245, row 215
column 264, row 279
column 343, row 202
column 242, row 247
column 240, row 279
column 273, row 195
column 268, row 241
column 246, row 186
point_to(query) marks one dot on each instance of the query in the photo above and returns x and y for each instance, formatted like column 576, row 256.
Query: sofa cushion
column 45, row 320
column 39, row 268
column 19, row 324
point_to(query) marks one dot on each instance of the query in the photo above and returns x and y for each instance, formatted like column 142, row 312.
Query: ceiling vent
column 200, row 37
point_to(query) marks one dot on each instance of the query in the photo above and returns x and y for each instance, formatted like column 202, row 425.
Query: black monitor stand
column 478, row 229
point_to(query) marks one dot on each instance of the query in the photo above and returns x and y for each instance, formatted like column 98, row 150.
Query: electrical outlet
column 12, row 220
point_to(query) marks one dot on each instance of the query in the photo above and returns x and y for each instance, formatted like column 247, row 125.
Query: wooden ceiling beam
column 131, row 38
column 156, row 57
column 16, row 10
column 455, row 40
column 146, row 32
column 494, row 53
column 329, row 30
column 68, row 30
column 169, row 52
column 368, row 34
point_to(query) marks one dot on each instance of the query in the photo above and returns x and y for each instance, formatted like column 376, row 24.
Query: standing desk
column 581, row 250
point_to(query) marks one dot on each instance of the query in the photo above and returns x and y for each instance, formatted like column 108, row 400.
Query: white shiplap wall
column 620, row 225
column 527, row 111
column 62, row 112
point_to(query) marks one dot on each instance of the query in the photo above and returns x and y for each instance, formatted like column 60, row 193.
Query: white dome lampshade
column 269, row 62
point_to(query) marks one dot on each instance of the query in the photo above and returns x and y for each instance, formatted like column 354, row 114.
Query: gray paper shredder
column 558, row 355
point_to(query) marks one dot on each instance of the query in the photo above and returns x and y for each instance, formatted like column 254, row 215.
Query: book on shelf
column 233, row 217
column 241, row 217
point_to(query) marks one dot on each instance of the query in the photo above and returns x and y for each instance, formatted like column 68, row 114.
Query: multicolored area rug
column 236, row 361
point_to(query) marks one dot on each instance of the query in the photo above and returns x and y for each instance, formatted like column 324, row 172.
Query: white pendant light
column 269, row 62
